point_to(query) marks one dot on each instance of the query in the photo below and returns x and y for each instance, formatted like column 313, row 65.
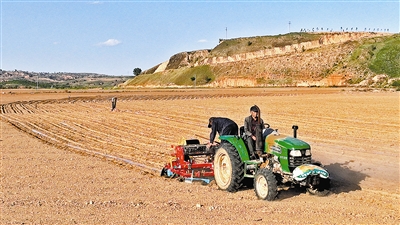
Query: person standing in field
column 113, row 103
column 222, row 126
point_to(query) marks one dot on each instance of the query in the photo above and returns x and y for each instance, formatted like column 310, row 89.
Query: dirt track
column 355, row 134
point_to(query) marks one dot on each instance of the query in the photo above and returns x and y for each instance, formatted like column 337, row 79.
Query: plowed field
column 354, row 134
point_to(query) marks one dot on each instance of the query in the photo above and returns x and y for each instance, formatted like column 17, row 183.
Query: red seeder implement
column 192, row 160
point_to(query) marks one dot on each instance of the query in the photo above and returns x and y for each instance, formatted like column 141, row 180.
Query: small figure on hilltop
column 224, row 126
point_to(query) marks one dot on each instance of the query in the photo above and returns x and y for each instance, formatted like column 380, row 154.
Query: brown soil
column 54, row 169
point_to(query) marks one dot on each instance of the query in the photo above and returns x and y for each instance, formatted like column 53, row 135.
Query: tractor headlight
column 295, row 153
column 308, row 152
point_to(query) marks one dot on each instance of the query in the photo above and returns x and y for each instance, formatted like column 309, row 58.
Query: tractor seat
column 241, row 131
column 267, row 132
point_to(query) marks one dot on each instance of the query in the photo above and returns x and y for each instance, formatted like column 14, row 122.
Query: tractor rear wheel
column 265, row 184
column 228, row 168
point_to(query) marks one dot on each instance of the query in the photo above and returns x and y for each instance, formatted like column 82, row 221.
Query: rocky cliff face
column 183, row 59
column 202, row 57
column 303, row 64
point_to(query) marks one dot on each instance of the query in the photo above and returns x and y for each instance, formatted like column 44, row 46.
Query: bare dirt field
column 67, row 159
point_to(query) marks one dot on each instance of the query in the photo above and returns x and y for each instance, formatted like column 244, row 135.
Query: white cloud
column 110, row 42
column 95, row 3
column 202, row 40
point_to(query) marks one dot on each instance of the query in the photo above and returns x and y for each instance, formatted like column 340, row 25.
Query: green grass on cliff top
column 250, row 44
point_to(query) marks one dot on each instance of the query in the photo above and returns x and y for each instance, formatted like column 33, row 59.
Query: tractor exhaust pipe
column 295, row 128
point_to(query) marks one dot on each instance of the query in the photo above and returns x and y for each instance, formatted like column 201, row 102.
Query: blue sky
column 114, row 37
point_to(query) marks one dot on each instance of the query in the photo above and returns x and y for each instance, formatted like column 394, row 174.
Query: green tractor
column 285, row 161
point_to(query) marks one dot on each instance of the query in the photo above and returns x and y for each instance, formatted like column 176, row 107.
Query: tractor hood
column 287, row 142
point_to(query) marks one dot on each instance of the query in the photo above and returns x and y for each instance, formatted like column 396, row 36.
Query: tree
column 137, row 71
column 194, row 80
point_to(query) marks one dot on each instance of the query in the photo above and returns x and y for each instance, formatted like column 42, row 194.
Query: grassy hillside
column 250, row 44
column 370, row 57
column 386, row 57
column 355, row 61
column 199, row 75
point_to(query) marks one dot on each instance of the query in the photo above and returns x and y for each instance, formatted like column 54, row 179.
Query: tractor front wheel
column 322, row 189
column 265, row 184
column 228, row 168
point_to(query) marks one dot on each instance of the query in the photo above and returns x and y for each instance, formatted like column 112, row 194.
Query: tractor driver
column 253, row 127
column 223, row 126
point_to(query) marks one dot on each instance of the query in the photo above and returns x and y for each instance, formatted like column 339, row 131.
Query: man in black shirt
column 223, row 126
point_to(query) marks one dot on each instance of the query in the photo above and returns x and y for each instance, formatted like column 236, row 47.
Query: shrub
column 396, row 83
